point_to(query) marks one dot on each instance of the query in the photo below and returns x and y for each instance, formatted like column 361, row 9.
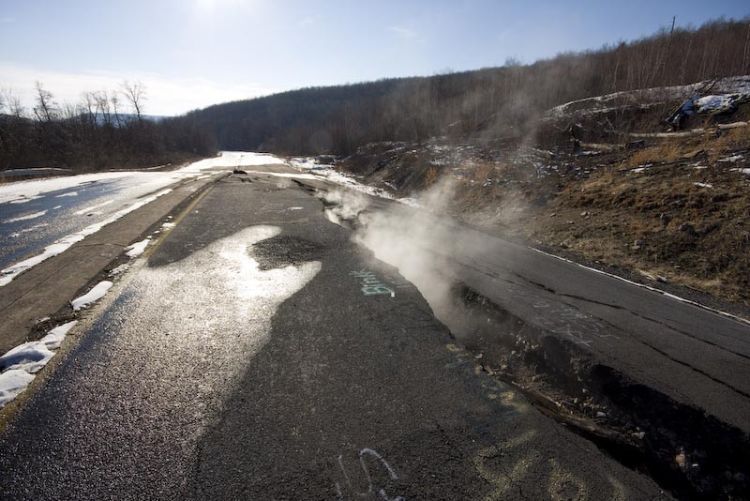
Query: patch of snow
column 704, row 185
column 8, row 274
column 330, row 174
column 95, row 294
column 716, row 103
column 12, row 383
column 295, row 208
column 69, row 194
column 743, row 171
column 54, row 338
column 731, row 159
column 30, row 357
column 26, row 217
column 21, row 363
column 136, row 249
column 231, row 159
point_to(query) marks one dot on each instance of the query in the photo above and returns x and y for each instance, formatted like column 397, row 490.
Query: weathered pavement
column 695, row 356
column 46, row 288
column 259, row 354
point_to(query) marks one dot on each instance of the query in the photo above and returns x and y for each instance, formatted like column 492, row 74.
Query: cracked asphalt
column 257, row 353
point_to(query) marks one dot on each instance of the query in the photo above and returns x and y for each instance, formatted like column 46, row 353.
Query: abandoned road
column 697, row 356
column 255, row 352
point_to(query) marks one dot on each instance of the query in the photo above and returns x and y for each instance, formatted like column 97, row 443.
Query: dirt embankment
column 604, row 184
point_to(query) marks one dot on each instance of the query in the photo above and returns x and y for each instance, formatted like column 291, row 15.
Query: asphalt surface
column 698, row 357
column 257, row 353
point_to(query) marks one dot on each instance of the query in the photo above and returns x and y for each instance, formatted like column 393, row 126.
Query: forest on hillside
column 489, row 102
column 97, row 133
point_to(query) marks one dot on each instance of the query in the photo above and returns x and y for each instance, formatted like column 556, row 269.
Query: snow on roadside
column 8, row 274
column 136, row 249
column 12, row 383
column 731, row 159
column 95, row 294
column 26, row 217
column 329, row 173
column 230, row 159
column 19, row 364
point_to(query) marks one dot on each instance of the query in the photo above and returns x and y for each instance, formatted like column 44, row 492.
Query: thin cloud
column 403, row 32
column 166, row 96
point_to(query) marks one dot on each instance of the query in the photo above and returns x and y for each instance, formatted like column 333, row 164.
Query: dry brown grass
column 666, row 152
column 673, row 220
column 728, row 141
column 431, row 175
column 483, row 171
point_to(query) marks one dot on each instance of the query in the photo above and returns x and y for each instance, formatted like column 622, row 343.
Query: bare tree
column 45, row 109
column 88, row 103
column 135, row 93
column 103, row 106
column 115, row 107
column 13, row 104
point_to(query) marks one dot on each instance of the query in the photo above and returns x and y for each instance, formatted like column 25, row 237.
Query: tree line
column 105, row 129
column 108, row 128
column 489, row 102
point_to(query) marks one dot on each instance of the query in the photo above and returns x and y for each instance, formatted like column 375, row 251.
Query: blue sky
column 191, row 53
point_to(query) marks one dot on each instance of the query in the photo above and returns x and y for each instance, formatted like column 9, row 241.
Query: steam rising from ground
column 408, row 239
column 416, row 241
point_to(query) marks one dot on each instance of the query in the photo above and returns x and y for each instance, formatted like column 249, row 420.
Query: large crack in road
column 549, row 353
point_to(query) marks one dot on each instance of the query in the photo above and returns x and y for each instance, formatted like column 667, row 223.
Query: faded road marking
column 371, row 284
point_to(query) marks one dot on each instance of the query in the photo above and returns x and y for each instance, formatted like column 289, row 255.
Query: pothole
column 284, row 250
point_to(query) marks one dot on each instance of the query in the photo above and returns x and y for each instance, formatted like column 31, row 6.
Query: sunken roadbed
column 257, row 352
column 658, row 382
